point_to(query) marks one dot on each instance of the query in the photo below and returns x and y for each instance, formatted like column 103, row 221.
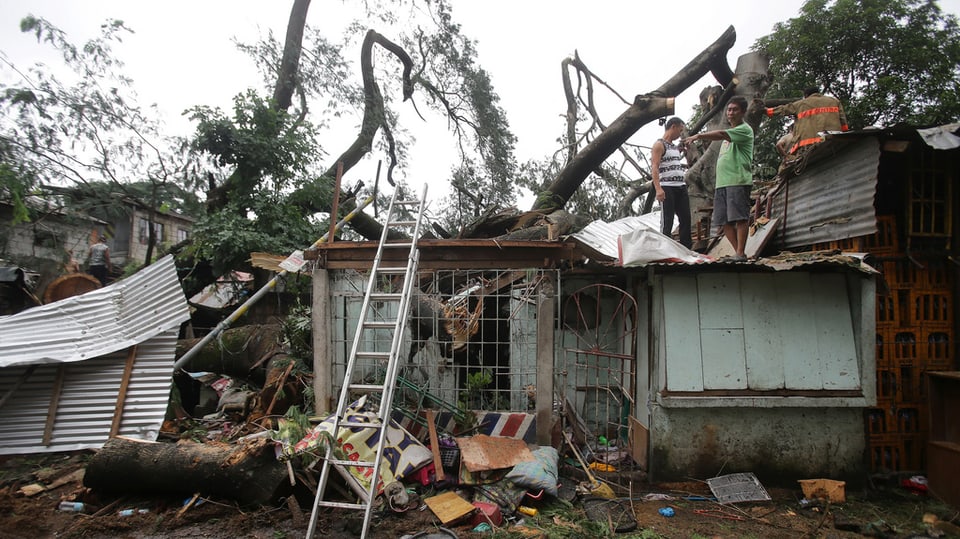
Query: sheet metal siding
column 98, row 322
column 88, row 399
column 833, row 199
column 603, row 237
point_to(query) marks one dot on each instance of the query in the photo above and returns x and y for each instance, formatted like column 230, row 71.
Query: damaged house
column 779, row 365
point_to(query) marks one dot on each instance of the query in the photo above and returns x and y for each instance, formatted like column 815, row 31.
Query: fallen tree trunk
column 239, row 352
column 645, row 108
column 247, row 473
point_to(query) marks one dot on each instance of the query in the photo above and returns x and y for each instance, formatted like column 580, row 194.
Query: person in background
column 731, row 199
column 99, row 260
column 72, row 265
column 668, row 169
column 815, row 114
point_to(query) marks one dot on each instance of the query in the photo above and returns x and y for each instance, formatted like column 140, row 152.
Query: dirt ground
column 886, row 510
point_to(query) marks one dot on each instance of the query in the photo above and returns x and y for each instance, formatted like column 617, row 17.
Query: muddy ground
column 883, row 509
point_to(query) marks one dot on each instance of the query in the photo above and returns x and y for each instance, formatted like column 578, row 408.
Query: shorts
column 731, row 204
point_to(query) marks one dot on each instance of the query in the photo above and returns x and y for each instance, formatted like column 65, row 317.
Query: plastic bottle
column 529, row 511
column 71, row 507
column 131, row 512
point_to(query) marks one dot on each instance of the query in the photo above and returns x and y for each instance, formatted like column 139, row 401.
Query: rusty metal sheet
column 832, row 198
column 481, row 452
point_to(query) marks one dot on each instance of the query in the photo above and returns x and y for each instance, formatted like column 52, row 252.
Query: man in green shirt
column 731, row 199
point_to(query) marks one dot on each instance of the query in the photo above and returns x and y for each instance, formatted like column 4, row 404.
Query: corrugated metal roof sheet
column 832, row 198
column 62, row 365
column 602, row 237
column 96, row 323
column 87, row 400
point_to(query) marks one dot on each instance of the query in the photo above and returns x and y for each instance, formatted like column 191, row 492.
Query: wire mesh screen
column 470, row 342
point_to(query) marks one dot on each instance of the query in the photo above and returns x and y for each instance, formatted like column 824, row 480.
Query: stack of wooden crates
column 914, row 336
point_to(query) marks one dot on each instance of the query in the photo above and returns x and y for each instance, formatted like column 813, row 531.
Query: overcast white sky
column 182, row 55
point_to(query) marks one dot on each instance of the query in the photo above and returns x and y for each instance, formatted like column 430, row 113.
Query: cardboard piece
column 449, row 507
column 824, row 489
column 639, row 439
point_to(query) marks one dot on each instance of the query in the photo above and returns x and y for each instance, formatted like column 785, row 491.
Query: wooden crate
column 898, row 453
column 930, row 307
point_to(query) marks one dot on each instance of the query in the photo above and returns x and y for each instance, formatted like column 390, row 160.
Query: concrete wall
column 47, row 238
column 133, row 249
column 779, row 445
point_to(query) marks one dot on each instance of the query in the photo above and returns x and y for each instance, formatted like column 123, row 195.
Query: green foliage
column 267, row 155
column 227, row 237
column 296, row 329
column 474, row 396
column 260, row 144
column 888, row 61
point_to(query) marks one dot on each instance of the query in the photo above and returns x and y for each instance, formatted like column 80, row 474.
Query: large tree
column 888, row 61
column 265, row 175
column 82, row 127
column 423, row 62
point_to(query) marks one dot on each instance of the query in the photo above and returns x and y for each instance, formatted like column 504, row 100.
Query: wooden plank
column 54, row 404
column 546, row 351
column 681, row 352
column 639, row 439
column 435, row 445
column 719, row 298
column 724, row 363
column 122, row 393
column 839, row 368
column 801, row 351
column 322, row 330
column 449, row 254
column 755, row 242
column 761, row 330
column 449, row 507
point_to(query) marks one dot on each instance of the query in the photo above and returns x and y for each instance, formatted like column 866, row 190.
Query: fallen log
column 239, row 352
column 247, row 473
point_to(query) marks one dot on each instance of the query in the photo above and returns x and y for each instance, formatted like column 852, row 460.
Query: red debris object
column 916, row 484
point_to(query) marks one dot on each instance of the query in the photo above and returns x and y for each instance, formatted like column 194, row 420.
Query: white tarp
column 941, row 137
column 643, row 245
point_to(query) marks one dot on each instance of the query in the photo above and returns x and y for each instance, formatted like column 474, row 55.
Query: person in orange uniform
column 815, row 114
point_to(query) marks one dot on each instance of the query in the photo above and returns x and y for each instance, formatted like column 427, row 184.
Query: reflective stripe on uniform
column 805, row 142
column 818, row 110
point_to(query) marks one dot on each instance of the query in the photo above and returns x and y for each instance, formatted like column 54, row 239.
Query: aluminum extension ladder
column 371, row 321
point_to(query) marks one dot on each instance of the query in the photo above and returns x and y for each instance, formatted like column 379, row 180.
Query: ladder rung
column 358, row 425
column 385, row 324
column 385, row 296
column 353, row 463
column 342, row 505
column 393, row 271
column 405, row 202
column 403, row 223
column 406, row 244
column 367, row 387
column 373, row 355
